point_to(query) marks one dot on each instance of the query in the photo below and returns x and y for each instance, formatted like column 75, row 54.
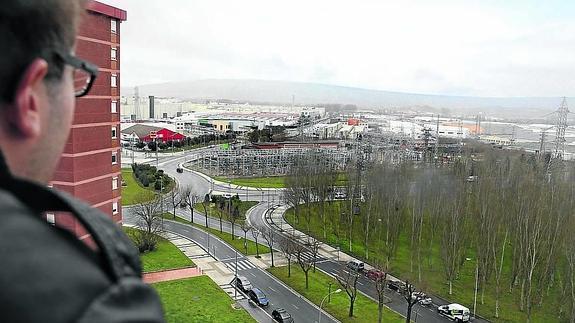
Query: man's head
column 36, row 83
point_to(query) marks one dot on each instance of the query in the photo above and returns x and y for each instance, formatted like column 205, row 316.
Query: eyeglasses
column 84, row 73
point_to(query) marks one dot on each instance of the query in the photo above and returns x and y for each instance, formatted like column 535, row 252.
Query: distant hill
column 313, row 93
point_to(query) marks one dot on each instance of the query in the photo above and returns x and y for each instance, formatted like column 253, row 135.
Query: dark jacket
column 48, row 275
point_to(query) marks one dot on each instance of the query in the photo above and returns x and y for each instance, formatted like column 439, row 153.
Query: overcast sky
column 477, row 48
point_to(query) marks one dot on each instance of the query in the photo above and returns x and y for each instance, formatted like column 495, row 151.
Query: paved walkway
column 166, row 275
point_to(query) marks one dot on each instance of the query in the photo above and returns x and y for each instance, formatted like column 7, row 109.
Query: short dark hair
column 31, row 29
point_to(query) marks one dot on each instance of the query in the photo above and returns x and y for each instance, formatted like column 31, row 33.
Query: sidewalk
column 161, row 276
column 276, row 218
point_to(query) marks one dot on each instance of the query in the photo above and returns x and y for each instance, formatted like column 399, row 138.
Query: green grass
column 215, row 212
column 432, row 275
column 131, row 193
column 198, row 300
column 166, row 256
column 365, row 309
column 269, row 182
column 236, row 243
column 261, row 182
column 134, row 192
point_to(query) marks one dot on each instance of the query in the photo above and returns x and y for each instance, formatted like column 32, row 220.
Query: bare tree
column 246, row 227
column 348, row 281
column 268, row 235
column 149, row 222
column 412, row 296
column 206, row 204
column 174, row 199
column 288, row 247
column 190, row 199
column 380, row 282
column 234, row 217
column 453, row 239
column 304, row 260
column 256, row 234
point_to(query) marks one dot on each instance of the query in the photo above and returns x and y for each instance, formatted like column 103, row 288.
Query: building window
column 114, row 183
column 113, row 54
column 114, row 107
column 114, row 26
column 114, row 80
column 114, row 158
column 114, row 136
column 115, row 208
column 51, row 218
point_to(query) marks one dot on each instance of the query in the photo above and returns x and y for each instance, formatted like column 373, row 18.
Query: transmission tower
column 561, row 125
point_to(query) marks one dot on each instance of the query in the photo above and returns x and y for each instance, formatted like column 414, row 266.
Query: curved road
column 202, row 184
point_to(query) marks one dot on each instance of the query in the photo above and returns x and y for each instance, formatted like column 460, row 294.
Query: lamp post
column 321, row 304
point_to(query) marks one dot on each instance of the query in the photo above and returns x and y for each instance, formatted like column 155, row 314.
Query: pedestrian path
column 167, row 275
column 231, row 291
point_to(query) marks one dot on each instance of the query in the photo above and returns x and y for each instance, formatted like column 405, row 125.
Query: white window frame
column 114, row 53
column 113, row 26
column 114, row 132
column 114, row 80
column 114, row 107
column 114, row 208
column 114, row 183
column 114, row 158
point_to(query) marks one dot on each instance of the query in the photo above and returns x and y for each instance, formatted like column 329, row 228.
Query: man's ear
column 25, row 115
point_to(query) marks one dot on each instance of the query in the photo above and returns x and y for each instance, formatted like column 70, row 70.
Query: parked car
column 456, row 312
column 243, row 284
column 258, row 297
column 183, row 204
column 423, row 299
column 374, row 274
column 281, row 315
column 355, row 265
column 396, row 285
column 179, row 170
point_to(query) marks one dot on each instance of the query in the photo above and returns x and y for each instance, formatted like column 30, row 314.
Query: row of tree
column 510, row 212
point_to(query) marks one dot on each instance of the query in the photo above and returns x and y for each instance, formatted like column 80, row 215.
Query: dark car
column 281, row 315
column 243, row 284
column 374, row 274
column 179, row 170
column 258, row 297
column 396, row 285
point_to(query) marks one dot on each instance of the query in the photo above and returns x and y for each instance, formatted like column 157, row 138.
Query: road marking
column 297, row 308
column 252, row 274
column 273, row 289
column 362, row 284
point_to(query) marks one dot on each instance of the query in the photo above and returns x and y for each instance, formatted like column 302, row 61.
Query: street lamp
column 321, row 304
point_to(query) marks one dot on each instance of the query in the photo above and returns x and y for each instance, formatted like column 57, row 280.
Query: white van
column 456, row 312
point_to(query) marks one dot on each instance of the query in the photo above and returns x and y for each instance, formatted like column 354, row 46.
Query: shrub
column 158, row 185
column 151, row 178
column 145, row 182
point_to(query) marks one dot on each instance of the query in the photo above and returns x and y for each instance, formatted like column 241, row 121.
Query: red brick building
column 90, row 165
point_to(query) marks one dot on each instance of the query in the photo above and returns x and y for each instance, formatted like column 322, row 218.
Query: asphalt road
column 278, row 294
column 420, row 313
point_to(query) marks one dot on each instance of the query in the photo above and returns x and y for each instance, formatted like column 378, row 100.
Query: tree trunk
column 306, row 280
column 272, row 252
column 233, row 231
column 289, row 267
column 379, row 312
column 351, row 302
column 450, row 287
column 408, row 317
